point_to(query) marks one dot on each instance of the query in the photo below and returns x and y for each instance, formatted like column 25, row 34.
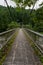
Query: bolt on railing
column 37, row 38
column 5, row 37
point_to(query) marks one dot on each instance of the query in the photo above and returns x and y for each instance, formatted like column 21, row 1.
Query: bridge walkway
column 21, row 52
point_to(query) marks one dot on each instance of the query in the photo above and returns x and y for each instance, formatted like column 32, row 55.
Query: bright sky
column 14, row 5
column 36, row 5
column 10, row 3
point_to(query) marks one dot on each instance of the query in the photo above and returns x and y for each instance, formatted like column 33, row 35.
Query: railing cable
column 9, row 10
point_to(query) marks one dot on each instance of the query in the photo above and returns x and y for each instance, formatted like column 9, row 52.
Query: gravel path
column 21, row 52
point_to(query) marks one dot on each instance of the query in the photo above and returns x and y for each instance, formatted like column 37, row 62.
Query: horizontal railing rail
column 37, row 38
column 5, row 37
column 6, row 32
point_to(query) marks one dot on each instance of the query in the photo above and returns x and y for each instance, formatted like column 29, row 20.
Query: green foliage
column 39, row 14
column 28, row 26
column 25, row 2
column 13, row 25
column 21, row 16
column 4, row 18
column 36, row 20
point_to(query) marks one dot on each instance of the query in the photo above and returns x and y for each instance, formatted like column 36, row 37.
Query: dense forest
column 20, row 17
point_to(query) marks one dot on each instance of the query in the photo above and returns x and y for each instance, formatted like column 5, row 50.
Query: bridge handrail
column 37, row 38
column 6, row 32
column 5, row 37
column 39, row 34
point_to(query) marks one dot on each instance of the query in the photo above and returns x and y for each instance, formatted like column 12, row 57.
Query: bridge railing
column 37, row 38
column 5, row 37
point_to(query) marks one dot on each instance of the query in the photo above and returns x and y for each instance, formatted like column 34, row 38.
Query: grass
column 36, row 50
column 6, row 49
